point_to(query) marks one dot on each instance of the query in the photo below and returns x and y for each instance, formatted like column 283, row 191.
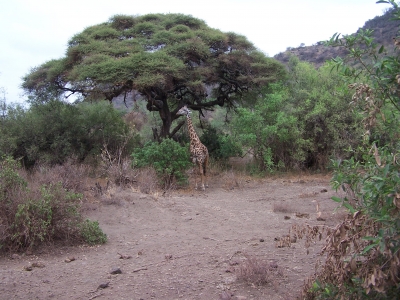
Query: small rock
column 228, row 271
column 301, row 215
column 104, row 285
column 233, row 263
column 15, row 256
column 225, row 296
column 116, row 271
column 28, row 268
column 69, row 259
column 273, row 265
column 38, row 265
column 262, row 240
column 121, row 256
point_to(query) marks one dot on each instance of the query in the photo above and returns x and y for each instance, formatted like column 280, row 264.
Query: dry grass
column 71, row 175
column 307, row 195
column 231, row 180
column 227, row 177
column 147, row 180
column 122, row 173
column 282, row 208
column 258, row 272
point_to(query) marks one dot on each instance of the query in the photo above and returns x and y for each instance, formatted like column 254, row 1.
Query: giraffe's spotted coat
column 198, row 152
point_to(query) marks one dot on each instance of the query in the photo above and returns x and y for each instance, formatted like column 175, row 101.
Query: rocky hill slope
column 384, row 30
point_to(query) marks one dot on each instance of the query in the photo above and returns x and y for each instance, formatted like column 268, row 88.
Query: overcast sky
column 35, row 31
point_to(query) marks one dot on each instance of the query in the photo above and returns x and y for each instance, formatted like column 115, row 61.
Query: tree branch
column 176, row 129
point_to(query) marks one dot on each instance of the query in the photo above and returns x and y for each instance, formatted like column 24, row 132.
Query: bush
column 301, row 124
column 220, row 146
column 55, row 131
column 258, row 272
column 92, row 233
column 33, row 212
column 169, row 159
column 363, row 251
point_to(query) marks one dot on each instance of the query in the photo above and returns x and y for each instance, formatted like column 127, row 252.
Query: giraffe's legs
column 205, row 171
column 195, row 170
column 202, row 177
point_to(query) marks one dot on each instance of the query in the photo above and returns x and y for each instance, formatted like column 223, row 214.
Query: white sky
column 35, row 31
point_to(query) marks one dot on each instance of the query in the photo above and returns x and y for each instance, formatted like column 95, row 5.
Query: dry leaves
column 347, row 259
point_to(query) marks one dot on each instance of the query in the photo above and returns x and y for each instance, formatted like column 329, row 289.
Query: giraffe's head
column 184, row 111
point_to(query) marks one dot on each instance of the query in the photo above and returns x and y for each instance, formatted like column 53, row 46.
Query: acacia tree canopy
column 170, row 59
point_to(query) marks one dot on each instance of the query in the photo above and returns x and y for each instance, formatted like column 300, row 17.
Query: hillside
column 384, row 29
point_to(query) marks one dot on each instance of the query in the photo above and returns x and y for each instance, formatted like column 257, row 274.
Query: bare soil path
column 185, row 245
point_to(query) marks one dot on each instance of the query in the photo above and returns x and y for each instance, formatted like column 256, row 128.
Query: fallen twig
column 140, row 269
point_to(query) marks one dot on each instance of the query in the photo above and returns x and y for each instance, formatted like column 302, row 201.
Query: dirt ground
column 183, row 245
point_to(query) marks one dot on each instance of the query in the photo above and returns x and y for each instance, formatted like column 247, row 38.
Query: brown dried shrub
column 40, row 207
column 231, row 179
column 122, row 173
column 71, row 175
column 116, row 166
column 258, row 272
column 147, row 180
column 349, row 269
column 39, row 214
column 282, row 207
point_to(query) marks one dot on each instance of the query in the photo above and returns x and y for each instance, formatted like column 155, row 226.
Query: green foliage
column 370, row 177
column 220, row 146
column 169, row 159
column 10, row 180
column 257, row 127
column 320, row 101
column 92, row 233
column 300, row 125
column 55, row 131
column 374, row 186
column 170, row 59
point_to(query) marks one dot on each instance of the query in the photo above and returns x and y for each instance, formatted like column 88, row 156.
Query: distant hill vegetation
column 384, row 29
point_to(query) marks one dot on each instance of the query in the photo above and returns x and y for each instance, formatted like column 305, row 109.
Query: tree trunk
column 166, row 119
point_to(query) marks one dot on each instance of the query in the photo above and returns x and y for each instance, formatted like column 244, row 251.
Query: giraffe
column 198, row 152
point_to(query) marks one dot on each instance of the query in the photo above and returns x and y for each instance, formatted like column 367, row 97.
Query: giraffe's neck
column 192, row 133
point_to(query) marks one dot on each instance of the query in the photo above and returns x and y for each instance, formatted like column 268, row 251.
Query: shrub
column 220, row 145
column 49, row 214
column 301, row 124
column 258, row 272
column 363, row 251
column 169, row 159
column 33, row 212
column 55, row 131
column 92, row 233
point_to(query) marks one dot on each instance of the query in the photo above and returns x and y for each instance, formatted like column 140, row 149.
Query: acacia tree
column 170, row 59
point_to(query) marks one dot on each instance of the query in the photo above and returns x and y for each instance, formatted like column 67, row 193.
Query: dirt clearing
column 184, row 245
